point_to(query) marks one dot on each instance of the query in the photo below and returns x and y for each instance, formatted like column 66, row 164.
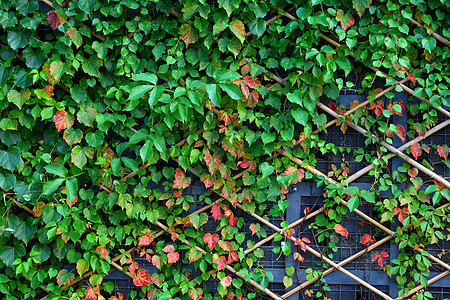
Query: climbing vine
column 113, row 111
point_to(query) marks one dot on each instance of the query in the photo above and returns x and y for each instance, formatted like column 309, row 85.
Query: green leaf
column 52, row 185
column 266, row 169
column 82, row 267
column 226, row 75
column 257, row 27
column 95, row 139
column 219, row 27
column 139, row 91
column 238, row 29
column 159, row 142
column 300, row 115
column 64, row 277
column 24, row 7
column 8, row 254
column 92, row 65
column 214, row 94
column 17, row 98
column 18, row 39
column 57, row 69
column 101, row 49
column 229, row 5
column 57, row 170
column 232, row 90
column 429, row 43
column 361, row 5
column 78, row 157
column 345, row 65
column 353, row 203
column 87, row 116
column 368, row 196
column 155, row 94
column 25, row 232
column 34, row 58
column 7, row 181
column 41, row 252
column 71, row 188
column 148, row 77
column 72, row 136
column 10, row 159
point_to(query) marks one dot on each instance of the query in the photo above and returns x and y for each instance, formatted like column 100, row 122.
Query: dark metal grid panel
column 350, row 292
column 122, row 284
column 442, row 251
column 440, row 293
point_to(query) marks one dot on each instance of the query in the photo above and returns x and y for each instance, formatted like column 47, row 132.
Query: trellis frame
column 335, row 266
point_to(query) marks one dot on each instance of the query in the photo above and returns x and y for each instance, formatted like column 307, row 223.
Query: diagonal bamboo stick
column 228, row 267
column 390, row 148
column 436, row 36
column 419, row 287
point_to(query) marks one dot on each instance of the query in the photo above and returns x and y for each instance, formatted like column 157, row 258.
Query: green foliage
column 111, row 111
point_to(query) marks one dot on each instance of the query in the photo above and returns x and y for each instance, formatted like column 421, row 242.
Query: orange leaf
column 341, row 230
column 173, row 257
column 146, row 240
column 226, row 281
column 90, row 294
column 141, row 278
column 365, row 239
column 103, row 252
column 188, row 34
column 215, row 211
column 62, row 120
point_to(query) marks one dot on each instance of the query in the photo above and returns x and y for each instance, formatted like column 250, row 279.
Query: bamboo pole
column 390, row 148
column 435, row 35
column 328, row 271
column 419, row 287
column 228, row 267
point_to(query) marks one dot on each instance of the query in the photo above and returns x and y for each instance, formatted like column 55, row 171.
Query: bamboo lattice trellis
column 334, row 266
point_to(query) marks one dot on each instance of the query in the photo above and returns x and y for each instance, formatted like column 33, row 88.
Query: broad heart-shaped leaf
column 443, row 151
column 25, row 232
column 169, row 249
column 72, row 136
column 62, row 120
column 181, row 180
column 361, row 5
column 53, row 19
column 139, row 91
column 194, row 254
column 64, row 277
column 17, row 98
column 173, row 257
column 87, row 116
column 9, row 254
column 82, row 266
column 416, row 150
column 213, row 162
column 7, row 181
column 79, row 156
column 197, row 220
column 75, row 36
column 238, row 28
column 221, row 262
column 345, row 19
column 210, row 240
column 226, row 281
column 92, row 65
column 195, row 293
column 103, row 252
column 188, row 34
column 141, row 278
column 10, row 159
column 300, row 115
column 90, row 294
column 287, row 281
column 266, row 169
column 229, row 5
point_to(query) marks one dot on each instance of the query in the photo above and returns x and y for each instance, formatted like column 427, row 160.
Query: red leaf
column 416, row 150
column 225, row 246
column 210, row 240
column 181, row 181
column 103, row 252
column 443, row 151
column 412, row 77
column 413, row 172
column 215, row 211
column 71, row 203
column 298, row 257
column 232, row 221
column 133, row 267
column 255, row 96
column 224, row 116
column 400, row 132
column 365, row 239
column 195, row 294
column 221, row 262
column 62, row 120
column 213, row 163
column 231, row 296
column 207, row 180
column 253, row 228
column 141, row 278
column 345, row 19
column 384, row 254
column 361, row 5
column 53, row 19
column 232, row 256
column 341, row 230
column 250, row 81
column 90, row 294
column 117, row 298
column 157, row 279
column 49, row 90
column 381, row 261
column 145, row 240
column 168, row 249
column 226, row 281
column 173, row 257
column 240, row 297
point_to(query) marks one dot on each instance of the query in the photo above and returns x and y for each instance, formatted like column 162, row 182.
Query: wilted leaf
column 53, row 19
column 38, row 209
column 87, row 116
